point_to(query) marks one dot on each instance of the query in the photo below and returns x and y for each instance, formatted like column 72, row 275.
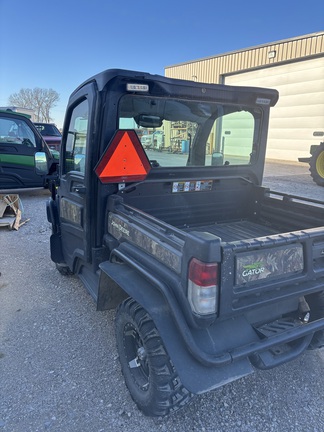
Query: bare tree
column 40, row 100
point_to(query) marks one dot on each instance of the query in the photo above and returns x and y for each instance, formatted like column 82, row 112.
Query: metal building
column 295, row 67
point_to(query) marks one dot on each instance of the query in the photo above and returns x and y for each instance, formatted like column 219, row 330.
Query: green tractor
column 316, row 160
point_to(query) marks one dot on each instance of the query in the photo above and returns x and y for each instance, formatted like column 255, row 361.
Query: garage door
column 300, row 109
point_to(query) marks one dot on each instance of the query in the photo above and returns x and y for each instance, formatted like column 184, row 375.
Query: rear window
column 180, row 133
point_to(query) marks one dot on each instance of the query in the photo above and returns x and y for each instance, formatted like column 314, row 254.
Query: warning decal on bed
column 192, row 186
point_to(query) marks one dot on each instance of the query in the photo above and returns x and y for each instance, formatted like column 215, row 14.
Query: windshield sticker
column 192, row 186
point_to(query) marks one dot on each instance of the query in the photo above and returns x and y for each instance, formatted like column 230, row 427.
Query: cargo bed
column 240, row 230
column 232, row 210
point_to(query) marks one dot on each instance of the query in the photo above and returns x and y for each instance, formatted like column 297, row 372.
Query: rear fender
column 55, row 239
column 53, row 215
column 56, row 248
column 119, row 281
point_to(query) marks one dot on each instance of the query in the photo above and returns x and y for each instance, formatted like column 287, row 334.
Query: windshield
column 177, row 132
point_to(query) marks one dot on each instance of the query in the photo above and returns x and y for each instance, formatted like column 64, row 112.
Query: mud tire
column 153, row 382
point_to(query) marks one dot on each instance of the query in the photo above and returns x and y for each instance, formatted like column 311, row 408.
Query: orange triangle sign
column 124, row 160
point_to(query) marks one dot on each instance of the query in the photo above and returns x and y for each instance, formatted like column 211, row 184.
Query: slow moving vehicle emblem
column 124, row 159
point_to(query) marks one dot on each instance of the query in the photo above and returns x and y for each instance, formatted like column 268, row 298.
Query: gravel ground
column 59, row 369
column 292, row 178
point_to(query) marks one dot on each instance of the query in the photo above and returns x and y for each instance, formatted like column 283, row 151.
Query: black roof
column 172, row 86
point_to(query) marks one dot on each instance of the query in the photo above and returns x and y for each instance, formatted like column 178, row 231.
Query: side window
column 76, row 141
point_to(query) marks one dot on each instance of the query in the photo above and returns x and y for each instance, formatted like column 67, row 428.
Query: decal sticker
column 120, row 227
column 123, row 230
column 253, row 269
column 192, row 186
column 71, row 211
column 269, row 263
column 263, row 101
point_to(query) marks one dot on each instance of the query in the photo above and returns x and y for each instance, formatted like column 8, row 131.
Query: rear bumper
column 271, row 351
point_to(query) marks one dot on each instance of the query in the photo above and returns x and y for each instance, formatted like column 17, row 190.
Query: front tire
column 148, row 371
column 316, row 165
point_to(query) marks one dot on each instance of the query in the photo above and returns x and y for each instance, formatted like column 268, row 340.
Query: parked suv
column 19, row 141
column 51, row 134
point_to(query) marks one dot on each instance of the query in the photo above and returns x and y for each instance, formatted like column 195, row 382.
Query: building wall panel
column 300, row 109
column 286, row 50
column 296, row 71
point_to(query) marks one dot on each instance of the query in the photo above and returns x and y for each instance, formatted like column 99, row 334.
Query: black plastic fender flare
column 199, row 371
column 53, row 215
column 53, row 218
column 161, row 305
column 183, row 343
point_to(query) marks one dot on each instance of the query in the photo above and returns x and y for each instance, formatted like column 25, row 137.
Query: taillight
column 202, row 287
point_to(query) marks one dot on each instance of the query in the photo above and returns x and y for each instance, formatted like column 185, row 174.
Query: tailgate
column 258, row 271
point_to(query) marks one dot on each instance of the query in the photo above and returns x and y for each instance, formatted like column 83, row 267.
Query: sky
column 59, row 44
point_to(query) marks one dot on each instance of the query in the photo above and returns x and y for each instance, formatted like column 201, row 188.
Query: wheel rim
column 320, row 164
column 136, row 357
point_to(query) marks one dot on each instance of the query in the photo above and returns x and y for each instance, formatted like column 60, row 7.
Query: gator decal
column 270, row 263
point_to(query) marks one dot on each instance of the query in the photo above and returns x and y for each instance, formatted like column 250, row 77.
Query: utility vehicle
column 212, row 275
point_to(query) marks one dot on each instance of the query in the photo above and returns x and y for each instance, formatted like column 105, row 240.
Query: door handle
column 79, row 189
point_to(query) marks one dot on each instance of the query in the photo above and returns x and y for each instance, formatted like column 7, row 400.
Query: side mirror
column 41, row 164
